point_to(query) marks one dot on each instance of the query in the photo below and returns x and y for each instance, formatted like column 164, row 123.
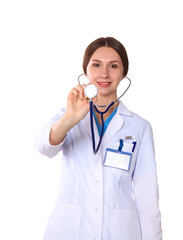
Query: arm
column 51, row 138
column 146, row 189
column 42, row 143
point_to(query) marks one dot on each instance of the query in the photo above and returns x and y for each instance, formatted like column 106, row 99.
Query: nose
column 104, row 72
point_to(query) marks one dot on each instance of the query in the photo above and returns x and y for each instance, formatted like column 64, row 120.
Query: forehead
column 106, row 54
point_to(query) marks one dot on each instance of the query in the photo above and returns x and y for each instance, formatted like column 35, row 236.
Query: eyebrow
column 96, row 60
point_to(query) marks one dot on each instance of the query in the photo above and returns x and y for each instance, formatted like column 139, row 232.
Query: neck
column 103, row 108
column 105, row 101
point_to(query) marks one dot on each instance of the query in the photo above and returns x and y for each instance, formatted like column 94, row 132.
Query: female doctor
column 111, row 194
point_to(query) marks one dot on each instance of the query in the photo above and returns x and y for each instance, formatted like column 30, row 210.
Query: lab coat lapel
column 116, row 123
column 113, row 127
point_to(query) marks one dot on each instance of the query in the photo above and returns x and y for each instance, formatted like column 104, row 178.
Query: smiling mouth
column 103, row 84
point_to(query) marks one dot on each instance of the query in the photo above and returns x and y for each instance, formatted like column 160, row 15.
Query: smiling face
column 105, row 70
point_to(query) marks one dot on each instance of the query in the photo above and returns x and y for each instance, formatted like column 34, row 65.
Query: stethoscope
column 91, row 92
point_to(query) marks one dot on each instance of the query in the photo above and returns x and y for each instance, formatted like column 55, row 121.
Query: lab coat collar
column 123, row 110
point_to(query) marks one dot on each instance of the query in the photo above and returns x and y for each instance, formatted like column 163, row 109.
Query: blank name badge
column 117, row 159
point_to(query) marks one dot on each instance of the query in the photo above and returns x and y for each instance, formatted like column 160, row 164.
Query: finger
column 73, row 93
column 86, row 99
column 80, row 89
column 84, row 85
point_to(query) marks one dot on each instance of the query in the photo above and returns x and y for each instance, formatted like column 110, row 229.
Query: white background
column 41, row 49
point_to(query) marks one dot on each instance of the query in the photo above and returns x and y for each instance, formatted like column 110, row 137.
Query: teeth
column 104, row 83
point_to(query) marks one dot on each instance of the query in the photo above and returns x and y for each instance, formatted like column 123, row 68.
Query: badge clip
column 120, row 145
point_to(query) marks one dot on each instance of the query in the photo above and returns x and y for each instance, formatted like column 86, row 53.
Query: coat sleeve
column 146, row 188
column 42, row 143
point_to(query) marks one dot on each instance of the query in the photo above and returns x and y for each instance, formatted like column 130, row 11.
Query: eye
column 114, row 65
column 96, row 65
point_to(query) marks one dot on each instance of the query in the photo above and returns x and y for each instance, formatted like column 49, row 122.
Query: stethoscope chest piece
column 90, row 91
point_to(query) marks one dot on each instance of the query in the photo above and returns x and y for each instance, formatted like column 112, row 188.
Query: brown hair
column 106, row 42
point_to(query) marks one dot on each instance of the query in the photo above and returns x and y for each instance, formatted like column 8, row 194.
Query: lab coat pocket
column 64, row 222
column 125, row 225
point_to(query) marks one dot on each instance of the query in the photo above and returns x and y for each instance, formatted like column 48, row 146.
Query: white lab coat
column 99, row 202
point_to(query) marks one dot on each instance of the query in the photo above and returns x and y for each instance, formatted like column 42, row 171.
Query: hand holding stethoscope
column 77, row 104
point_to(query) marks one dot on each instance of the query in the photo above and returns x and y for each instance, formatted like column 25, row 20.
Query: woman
column 98, row 199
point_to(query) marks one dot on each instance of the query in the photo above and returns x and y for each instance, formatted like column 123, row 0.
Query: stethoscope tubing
column 95, row 150
column 118, row 97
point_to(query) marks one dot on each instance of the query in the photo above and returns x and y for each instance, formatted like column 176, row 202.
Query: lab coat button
column 96, row 209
